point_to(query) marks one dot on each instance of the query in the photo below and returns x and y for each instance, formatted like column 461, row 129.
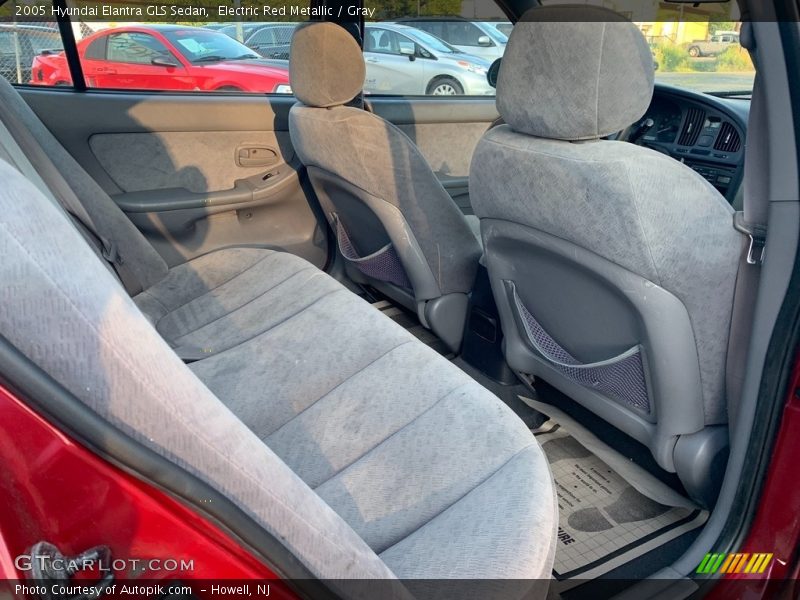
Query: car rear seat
column 364, row 452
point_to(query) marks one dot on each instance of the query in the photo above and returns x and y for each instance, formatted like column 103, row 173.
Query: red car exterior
column 164, row 57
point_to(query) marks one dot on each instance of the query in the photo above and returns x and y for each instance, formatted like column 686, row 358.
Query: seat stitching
column 169, row 311
column 640, row 222
column 241, row 306
column 155, row 299
column 268, row 330
column 393, row 434
column 271, row 253
column 460, row 498
column 178, row 416
column 597, row 84
column 358, row 371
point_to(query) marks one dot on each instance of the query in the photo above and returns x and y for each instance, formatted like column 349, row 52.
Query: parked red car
column 165, row 57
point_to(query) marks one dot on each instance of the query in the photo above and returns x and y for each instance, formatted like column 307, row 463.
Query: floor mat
column 410, row 322
column 604, row 520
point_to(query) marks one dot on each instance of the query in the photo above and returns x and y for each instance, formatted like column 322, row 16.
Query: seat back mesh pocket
column 620, row 378
column 382, row 265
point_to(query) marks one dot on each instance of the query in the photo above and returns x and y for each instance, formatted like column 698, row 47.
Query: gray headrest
column 574, row 73
column 326, row 66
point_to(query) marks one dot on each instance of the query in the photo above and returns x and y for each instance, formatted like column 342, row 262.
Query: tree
column 715, row 26
column 397, row 9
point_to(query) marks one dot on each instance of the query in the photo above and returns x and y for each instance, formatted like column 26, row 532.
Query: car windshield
column 431, row 41
column 694, row 46
column 701, row 56
column 199, row 46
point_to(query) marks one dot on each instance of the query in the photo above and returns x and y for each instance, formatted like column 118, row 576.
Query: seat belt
column 72, row 206
column 744, row 301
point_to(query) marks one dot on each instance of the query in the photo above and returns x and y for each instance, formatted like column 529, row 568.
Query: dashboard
column 707, row 133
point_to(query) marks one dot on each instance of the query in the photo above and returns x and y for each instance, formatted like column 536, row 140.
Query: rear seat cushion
column 393, row 437
column 355, row 405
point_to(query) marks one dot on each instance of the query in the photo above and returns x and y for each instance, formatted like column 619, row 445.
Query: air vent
column 692, row 127
column 728, row 139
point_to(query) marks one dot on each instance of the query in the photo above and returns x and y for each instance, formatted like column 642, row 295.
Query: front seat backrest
column 397, row 227
column 613, row 265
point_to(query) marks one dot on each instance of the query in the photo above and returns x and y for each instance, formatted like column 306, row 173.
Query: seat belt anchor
column 755, row 254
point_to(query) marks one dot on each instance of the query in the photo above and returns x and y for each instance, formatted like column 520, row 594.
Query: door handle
column 372, row 60
column 256, row 156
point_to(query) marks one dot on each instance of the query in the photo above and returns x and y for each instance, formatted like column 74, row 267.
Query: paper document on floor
column 604, row 521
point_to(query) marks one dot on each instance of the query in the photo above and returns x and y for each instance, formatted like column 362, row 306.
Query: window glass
column 96, row 50
column 199, row 46
column 695, row 47
column 24, row 44
column 135, row 48
column 463, row 33
column 445, row 42
column 454, row 44
column 263, row 36
column 173, row 45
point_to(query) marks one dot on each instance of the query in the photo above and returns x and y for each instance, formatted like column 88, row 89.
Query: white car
column 475, row 38
column 406, row 60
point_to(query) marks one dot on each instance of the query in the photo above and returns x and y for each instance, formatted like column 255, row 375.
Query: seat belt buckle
column 755, row 254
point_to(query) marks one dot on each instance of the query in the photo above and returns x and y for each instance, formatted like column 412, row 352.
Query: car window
column 283, row 35
column 21, row 44
column 449, row 58
column 271, row 36
column 505, row 28
column 135, row 48
column 461, row 33
column 381, row 41
column 694, row 47
column 96, row 50
column 201, row 46
column 263, row 36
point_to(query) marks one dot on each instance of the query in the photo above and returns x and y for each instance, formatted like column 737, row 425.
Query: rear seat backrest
column 109, row 356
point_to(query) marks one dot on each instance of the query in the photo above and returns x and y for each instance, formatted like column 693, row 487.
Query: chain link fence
column 20, row 43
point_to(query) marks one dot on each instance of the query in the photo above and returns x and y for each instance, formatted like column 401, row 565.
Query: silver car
column 405, row 60
column 473, row 37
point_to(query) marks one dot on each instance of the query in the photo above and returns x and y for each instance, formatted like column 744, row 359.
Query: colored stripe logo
column 735, row 563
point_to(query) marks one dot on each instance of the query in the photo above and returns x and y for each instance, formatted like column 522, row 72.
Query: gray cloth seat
column 219, row 300
column 613, row 265
column 398, row 229
column 364, row 452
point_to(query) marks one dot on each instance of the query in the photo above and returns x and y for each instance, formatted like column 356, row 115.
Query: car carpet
column 610, row 510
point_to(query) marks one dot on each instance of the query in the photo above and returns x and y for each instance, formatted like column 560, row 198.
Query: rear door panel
column 194, row 172
column 198, row 172
column 446, row 130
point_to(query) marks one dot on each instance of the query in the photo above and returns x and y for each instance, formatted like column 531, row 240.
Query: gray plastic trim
column 659, row 321
column 784, row 215
column 402, row 238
